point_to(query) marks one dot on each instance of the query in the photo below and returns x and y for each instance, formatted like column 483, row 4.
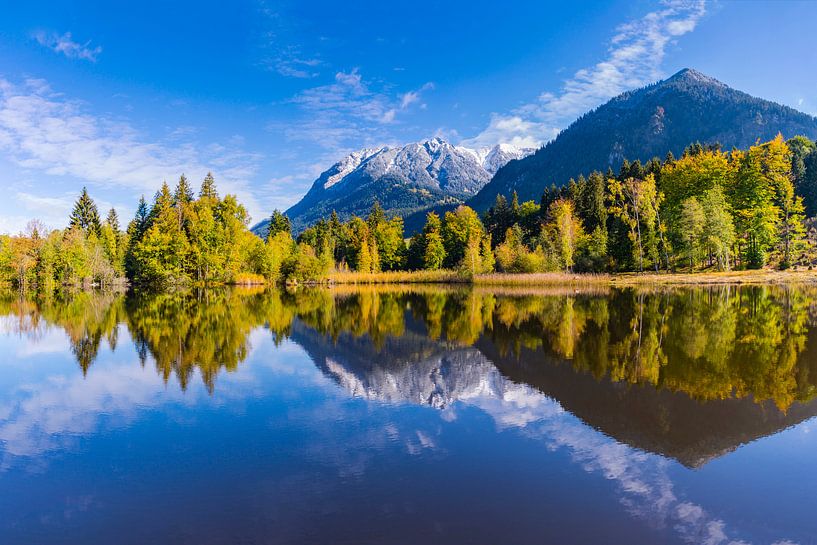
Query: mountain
column 521, row 387
column 646, row 123
column 402, row 179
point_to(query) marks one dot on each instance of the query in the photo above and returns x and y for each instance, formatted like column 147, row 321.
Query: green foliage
column 708, row 208
column 513, row 256
column 85, row 215
column 691, row 223
column 304, row 265
column 458, row 229
column 719, row 229
column 279, row 223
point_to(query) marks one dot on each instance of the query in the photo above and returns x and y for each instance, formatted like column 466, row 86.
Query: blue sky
column 121, row 96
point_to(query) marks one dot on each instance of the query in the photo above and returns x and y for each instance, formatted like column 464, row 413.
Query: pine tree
column 113, row 220
column 279, row 223
column 183, row 192
column 208, row 188
column 85, row 215
column 376, row 216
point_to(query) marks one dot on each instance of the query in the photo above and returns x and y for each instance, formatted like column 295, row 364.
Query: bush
column 306, row 266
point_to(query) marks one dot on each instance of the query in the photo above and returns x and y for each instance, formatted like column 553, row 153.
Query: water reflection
column 710, row 344
column 624, row 382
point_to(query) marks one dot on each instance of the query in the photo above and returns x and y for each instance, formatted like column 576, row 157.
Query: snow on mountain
column 403, row 180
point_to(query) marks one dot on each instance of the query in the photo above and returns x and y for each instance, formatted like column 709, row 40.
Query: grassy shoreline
column 764, row 276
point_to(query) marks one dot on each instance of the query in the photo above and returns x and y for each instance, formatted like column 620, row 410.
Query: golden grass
column 398, row 277
column 541, row 279
column 568, row 280
column 763, row 276
column 248, row 279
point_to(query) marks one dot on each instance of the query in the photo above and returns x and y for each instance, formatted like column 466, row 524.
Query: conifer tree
column 85, row 215
column 279, row 223
column 208, row 188
column 183, row 192
column 113, row 220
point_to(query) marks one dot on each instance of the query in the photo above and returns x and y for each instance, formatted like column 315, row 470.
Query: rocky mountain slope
column 404, row 179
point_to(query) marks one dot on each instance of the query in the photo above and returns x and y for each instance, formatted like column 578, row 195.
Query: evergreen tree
column 208, row 188
column 279, row 223
column 113, row 220
column 183, row 193
column 85, row 215
column 376, row 216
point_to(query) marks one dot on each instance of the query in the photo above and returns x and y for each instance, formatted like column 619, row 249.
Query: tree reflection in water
column 708, row 343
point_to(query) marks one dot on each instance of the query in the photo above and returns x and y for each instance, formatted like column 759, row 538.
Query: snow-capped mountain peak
column 403, row 179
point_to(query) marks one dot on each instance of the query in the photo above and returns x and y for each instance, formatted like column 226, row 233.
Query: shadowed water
column 410, row 415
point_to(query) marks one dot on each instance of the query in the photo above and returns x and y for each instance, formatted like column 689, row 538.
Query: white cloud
column 349, row 113
column 49, row 134
column 65, row 45
column 283, row 54
column 409, row 98
column 290, row 65
column 634, row 59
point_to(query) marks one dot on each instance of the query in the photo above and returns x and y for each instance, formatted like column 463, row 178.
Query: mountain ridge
column 648, row 122
column 403, row 179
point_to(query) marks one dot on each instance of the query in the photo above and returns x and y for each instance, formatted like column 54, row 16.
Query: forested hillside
column 646, row 123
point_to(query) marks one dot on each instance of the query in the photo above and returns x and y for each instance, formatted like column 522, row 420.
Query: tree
column 183, row 192
column 364, row 256
column 305, row 265
column 472, row 263
column 691, row 226
column 160, row 255
column 391, row 247
column 498, row 219
column 208, row 188
column 804, row 176
column 719, row 229
column 460, row 226
column 514, row 257
column 85, row 215
column 792, row 227
column 376, row 216
column 590, row 204
column 433, row 248
column 279, row 223
column 635, row 202
column 568, row 228
column 114, row 242
column 763, row 184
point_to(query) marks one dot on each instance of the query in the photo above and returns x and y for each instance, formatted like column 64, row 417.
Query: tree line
column 707, row 210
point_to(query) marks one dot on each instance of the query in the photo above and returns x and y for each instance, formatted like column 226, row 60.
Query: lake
column 409, row 415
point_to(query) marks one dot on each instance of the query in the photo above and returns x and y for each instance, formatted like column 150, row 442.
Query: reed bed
column 541, row 279
column 398, row 277
column 575, row 280
column 764, row 276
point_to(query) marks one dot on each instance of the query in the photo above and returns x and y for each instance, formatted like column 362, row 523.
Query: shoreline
column 763, row 276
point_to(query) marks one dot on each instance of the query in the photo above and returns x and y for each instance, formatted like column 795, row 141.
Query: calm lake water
column 410, row 415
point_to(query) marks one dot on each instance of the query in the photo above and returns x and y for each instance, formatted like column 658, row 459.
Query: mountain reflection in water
column 688, row 375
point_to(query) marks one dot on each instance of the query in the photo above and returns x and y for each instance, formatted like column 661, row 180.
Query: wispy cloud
column 634, row 58
column 350, row 111
column 281, row 46
column 46, row 133
column 65, row 45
